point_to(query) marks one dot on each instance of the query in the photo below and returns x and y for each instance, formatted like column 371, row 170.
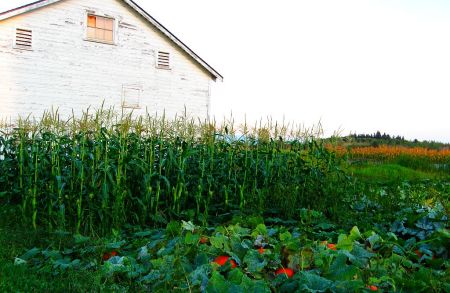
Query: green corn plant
column 95, row 173
column 34, row 206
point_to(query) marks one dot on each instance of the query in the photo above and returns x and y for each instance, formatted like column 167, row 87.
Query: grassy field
column 393, row 173
column 107, row 203
column 14, row 240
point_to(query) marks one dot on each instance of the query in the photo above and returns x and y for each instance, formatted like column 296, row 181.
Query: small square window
column 131, row 96
column 100, row 28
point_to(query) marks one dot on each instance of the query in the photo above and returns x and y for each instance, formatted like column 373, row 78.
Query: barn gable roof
column 41, row 3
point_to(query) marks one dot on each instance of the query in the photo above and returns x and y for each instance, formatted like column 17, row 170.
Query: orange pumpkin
column 285, row 271
column 332, row 246
column 222, row 260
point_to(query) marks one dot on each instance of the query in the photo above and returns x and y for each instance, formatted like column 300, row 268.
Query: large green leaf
column 191, row 239
column 115, row 245
column 339, row 270
column 361, row 252
column 18, row 261
column 260, row 287
column 354, row 234
column 235, row 276
column 261, row 229
column 200, row 275
column 285, row 236
column 310, row 282
column 217, row 283
column 201, row 259
column 114, row 265
column 242, row 283
column 255, row 261
column 153, row 276
column 349, row 286
column 374, row 239
column 219, row 241
column 188, row 226
column 79, row 239
column 30, row 253
column 237, row 230
column 344, row 242
column 143, row 233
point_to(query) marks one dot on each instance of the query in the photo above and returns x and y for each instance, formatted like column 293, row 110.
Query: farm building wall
column 65, row 71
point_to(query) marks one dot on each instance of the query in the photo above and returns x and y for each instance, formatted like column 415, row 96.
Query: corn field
column 98, row 172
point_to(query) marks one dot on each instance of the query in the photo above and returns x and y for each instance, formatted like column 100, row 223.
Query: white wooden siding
column 64, row 70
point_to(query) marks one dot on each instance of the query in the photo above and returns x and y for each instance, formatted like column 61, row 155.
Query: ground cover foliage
column 110, row 203
column 406, row 254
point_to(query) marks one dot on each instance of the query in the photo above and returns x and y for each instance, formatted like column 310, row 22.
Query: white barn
column 75, row 54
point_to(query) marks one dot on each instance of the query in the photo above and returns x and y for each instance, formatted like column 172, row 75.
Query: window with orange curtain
column 100, row 28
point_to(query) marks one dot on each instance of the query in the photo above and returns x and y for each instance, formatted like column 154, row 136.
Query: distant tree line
column 378, row 135
column 379, row 138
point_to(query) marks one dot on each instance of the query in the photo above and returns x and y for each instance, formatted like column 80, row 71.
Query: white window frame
column 136, row 87
column 18, row 47
column 100, row 14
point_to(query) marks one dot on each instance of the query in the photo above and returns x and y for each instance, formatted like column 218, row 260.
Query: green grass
column 23, row 279
column 390, row 173
column 16, row 240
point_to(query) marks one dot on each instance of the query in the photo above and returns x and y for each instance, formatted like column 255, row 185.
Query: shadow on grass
column 15, row 240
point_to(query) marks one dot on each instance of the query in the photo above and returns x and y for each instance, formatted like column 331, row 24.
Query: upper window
column 100, row 28
column 24, row 39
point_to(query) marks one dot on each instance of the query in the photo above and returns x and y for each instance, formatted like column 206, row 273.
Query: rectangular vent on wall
column 24, row 38
column 163, row 61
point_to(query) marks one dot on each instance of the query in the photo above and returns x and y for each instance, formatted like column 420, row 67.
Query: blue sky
column 355, row 65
